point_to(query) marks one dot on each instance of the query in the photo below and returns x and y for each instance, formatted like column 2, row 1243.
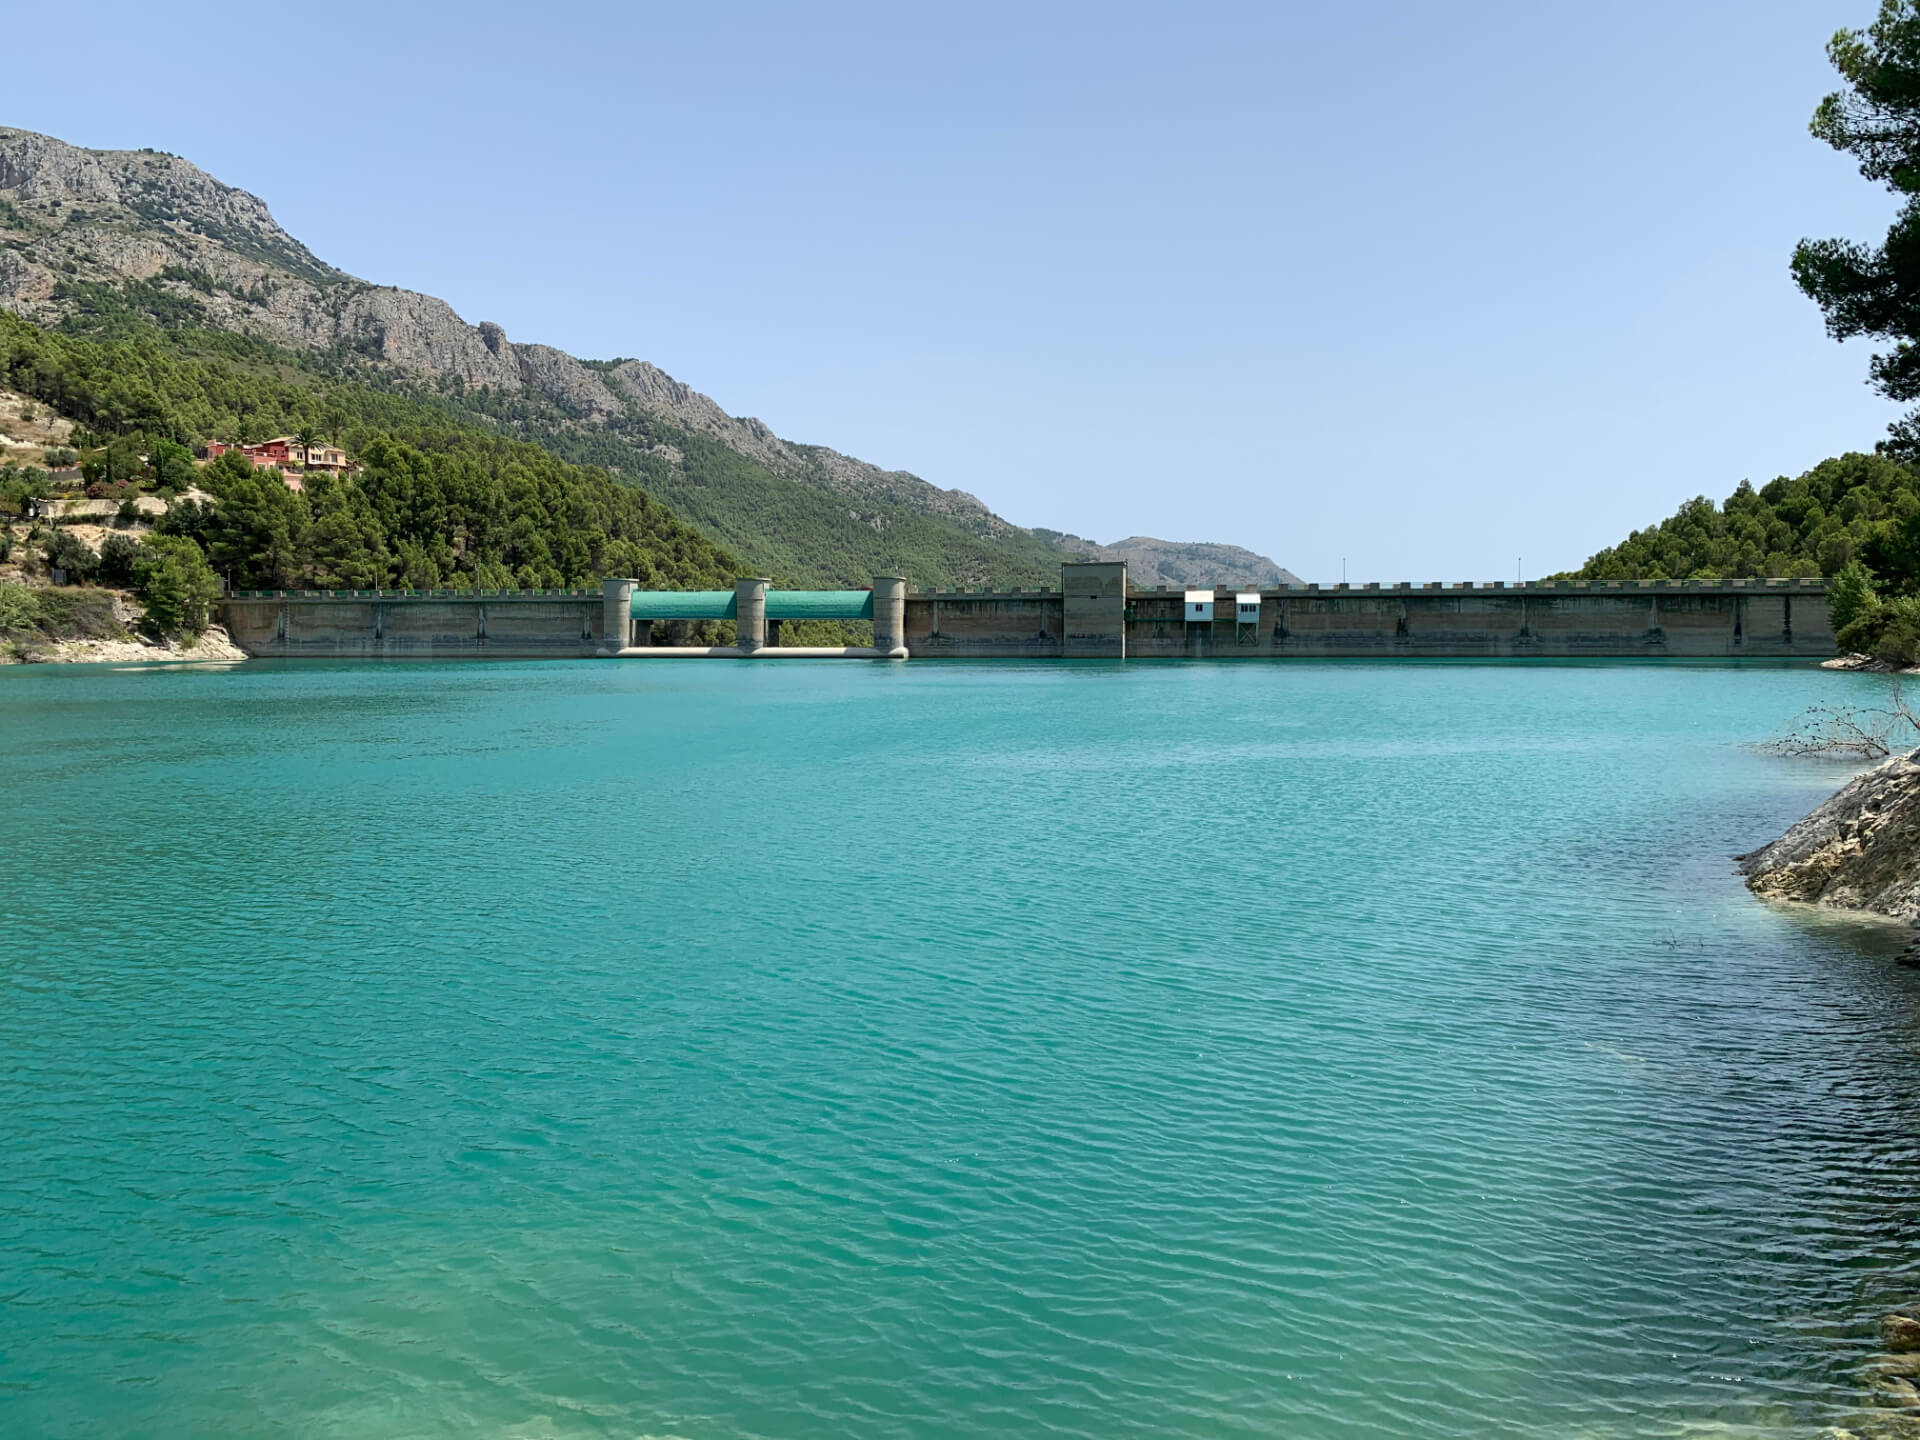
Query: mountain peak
column 1177, row 562
column 54, row 186
column 84, row 231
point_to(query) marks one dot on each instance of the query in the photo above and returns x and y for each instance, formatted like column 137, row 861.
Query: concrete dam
column 1095, row 614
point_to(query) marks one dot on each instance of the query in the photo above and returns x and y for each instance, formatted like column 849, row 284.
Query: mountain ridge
column 83, row 231
column 1178, row 562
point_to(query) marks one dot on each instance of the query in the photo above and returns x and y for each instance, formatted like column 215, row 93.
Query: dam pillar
column 1094, row 610
column 616, row 614
column 750, row 613
column 889, row 614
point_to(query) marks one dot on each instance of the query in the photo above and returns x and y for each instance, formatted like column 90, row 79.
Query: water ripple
column 855, row 1051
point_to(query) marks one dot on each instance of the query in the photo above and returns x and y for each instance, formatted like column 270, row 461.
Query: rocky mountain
column 92, row 233
column 1177, row 562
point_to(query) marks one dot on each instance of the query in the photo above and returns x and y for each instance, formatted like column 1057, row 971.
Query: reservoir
column 563, row 1049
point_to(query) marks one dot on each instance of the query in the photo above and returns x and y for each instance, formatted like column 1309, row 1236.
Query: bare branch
column 1862, row 732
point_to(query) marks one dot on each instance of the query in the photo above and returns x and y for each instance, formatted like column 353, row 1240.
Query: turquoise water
column 851, row 1050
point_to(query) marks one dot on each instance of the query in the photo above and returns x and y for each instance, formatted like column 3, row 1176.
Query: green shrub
column 64, row 551
column 176, row 585
column 172, row 465
column 1862, row 635
column 185, row 517
column 117, row 555
column 31, row 615
column 1851, row 594
column 78, row 612
column 19, row 609
column 1889, row 631
column 17, row 486
column 1899, row 640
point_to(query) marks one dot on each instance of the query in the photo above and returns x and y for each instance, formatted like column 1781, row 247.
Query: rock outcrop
column 1900, row 1333
column 1858, row 851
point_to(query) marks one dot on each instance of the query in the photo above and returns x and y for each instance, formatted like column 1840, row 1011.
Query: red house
column 260, row 454
column 284, row 453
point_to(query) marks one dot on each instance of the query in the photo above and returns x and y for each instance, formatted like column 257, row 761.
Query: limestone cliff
column 212, row 255
column 209, row 253
column 1858, row 851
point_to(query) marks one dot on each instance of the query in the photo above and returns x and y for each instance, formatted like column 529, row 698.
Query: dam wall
column 1699, row 619
column 1095, row 614
column 415, row 625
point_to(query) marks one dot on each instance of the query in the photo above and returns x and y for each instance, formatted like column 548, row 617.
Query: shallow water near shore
column 856, row 1050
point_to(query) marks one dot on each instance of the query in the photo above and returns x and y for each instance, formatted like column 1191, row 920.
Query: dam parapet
column 1623, row 619
column 1094, row 614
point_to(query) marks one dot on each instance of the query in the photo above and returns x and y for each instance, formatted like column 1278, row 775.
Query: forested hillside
column 1855, row 520
column 439, row 499
column 797, row 533
column 1852, row 507
column 111, row 243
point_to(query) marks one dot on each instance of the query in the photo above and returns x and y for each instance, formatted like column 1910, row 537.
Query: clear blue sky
column 1426, row 287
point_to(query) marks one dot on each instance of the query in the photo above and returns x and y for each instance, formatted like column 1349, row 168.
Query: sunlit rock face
column 1859, row 851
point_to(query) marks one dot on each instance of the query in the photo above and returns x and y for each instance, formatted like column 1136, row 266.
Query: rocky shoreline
column 1869, row 663
column 1858, row 851
column 1861, row 851
column 1894, row 1385
column 213, row 645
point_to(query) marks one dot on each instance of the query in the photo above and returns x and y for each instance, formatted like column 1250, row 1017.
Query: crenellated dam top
column 1094, row 614
column 694, row 599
